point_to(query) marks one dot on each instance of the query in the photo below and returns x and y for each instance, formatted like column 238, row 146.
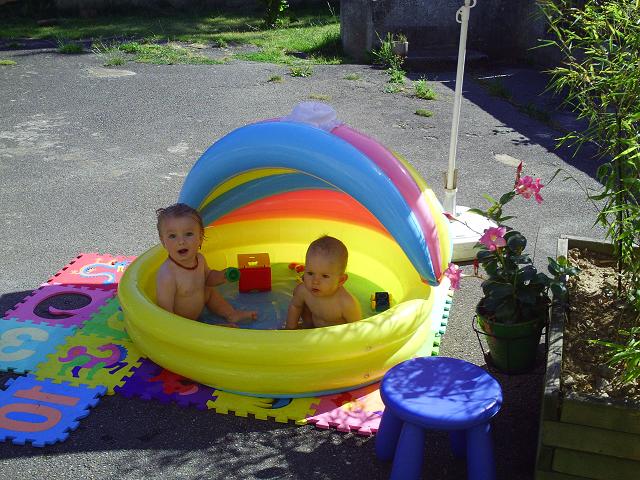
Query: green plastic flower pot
column 513, row 348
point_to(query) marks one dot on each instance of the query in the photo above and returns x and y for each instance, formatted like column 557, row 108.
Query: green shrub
column 422, row 90
column 274, row 12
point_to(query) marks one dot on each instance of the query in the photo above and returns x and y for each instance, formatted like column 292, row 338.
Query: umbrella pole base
column 465, row 233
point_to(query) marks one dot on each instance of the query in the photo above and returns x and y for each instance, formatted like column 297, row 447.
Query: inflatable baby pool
column 274, row 187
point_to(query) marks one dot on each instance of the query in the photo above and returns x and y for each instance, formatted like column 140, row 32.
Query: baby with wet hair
column 321, row 299
column 185, row 283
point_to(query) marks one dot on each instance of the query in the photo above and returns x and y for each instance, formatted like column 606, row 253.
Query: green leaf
column 559, row 290
column 477, row 211
column 507, row 197
column 485, row 256
column 516, row 242
column 491, row 268
column 489, row 198
column 528, row 296
column 506, row 312
column 528, row 273
column 496, row 290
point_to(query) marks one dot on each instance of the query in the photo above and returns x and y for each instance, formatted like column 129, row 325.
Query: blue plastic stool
column 438, row 393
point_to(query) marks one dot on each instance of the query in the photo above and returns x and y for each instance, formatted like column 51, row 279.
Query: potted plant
column 399, row 44
column 515, row 305
column 392, row 51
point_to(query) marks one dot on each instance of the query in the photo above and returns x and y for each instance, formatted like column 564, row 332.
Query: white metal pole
column 451, row 187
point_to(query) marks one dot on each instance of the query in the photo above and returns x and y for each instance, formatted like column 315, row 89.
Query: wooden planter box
column 583, row 437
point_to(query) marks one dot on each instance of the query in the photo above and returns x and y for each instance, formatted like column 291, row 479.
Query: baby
column 184, row 282
column 321, row 300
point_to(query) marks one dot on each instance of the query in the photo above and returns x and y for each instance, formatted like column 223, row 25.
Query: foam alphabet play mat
column 65, row 357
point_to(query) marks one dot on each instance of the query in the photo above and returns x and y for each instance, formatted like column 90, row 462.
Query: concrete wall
column 499, row 28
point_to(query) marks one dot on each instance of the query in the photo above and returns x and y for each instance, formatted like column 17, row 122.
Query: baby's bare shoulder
column 202, row 260
column 299, row 291
column 165, row 270
column 166, row 276
column 346, row 296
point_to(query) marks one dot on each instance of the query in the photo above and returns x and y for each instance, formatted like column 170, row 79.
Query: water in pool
column 272, row 306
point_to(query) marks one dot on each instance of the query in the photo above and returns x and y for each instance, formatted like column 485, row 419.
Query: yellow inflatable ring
column 276, row 362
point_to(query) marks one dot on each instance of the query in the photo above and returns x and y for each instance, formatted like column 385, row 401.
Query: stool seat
column 441, row 393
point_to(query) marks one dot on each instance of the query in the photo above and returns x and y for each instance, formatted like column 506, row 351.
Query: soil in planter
column 595, row 313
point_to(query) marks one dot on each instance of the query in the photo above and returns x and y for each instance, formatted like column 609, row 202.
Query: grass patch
column 352, row 76
column 314, row 33
column 393, row 88
column 497, row 88
column 535, row 112
column 7, row 62
column 169, row 54
column 423, row 112
column 396, row 75
column 423, row 91
column 69, row 48
column 301, row 71
column 275, row 79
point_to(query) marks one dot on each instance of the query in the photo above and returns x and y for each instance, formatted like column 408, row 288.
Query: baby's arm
column 351, row 308
column 216, row 303
column 165, row 289
column 295, row 308
column 215, row 278
column 212, row 278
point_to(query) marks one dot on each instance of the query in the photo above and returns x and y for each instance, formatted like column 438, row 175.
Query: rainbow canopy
column 310, row 152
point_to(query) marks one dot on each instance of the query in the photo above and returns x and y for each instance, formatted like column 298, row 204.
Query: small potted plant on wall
column 400, row 44
column 514, row 308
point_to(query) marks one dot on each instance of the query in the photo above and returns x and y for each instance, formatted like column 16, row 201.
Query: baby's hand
column 243, row 315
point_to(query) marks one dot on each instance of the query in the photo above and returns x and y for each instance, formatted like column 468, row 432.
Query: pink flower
column 450, row 217
column 527, row 186
column 453, row 273
column 493, row 238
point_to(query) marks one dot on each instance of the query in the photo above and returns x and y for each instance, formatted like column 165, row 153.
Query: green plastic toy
column 232, row 274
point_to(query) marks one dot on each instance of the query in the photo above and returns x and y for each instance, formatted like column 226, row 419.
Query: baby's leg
column 220, row 306
column 307, row 318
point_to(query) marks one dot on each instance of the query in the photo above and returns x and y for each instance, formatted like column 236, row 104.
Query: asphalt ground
column 87, row 154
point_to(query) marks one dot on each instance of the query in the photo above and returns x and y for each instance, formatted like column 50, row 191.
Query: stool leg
column 458, row 443
column 407, row 463
column 387, row 436
column 480, row 462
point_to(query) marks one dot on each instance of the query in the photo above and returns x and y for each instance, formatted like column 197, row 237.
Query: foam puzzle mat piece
column 90, row 360
column 41, row 412
column 107, row 322
column 93, row 269
column 289, row 409
column 25, row 309
column 24, row 344
column 358, row 411
column 241, row 405
column 150, row 381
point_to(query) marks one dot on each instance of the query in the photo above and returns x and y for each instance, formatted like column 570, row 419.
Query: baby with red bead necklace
column 185, row 283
